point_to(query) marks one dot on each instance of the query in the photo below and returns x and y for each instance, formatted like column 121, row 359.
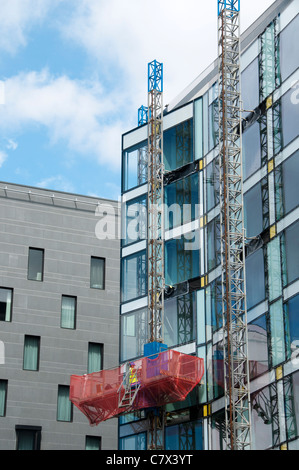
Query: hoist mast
column 235, row 340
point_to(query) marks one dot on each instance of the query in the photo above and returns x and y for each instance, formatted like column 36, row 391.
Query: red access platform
column 148, row 382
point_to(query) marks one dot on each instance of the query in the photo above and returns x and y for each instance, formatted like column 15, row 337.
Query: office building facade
column 59, row 315
column 192, row 312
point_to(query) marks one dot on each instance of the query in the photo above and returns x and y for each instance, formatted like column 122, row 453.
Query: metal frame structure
column 235, row 335
column 155, row 242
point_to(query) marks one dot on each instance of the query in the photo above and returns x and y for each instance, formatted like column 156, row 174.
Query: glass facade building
column 193, row 316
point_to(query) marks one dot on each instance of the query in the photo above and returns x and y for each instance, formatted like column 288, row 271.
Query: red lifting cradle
column 151, row 381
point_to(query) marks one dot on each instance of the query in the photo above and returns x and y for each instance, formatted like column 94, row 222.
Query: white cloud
column 3, row 157
column 58, row 183
column 18, row 17
column 77, row 113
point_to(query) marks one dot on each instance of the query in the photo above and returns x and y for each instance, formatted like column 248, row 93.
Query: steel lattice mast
column 236, row 371
column 155, row 242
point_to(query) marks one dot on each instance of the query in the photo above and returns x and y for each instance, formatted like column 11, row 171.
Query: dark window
column 36, row 264
column 182, row 258
column 291, row 309
column 93, row 443
column 134, row 166
column 28, row 437
column 181, row 200
column 289, row 48
column 258, row 347
column 31, row 352
column 178, row 145
column 212, row 184
column 5, row 304
column 286, row 186
column 292, row 252
column 253, row 209
column 97, row 273
column 135, row 225
column 255, row 278
column 3, row 396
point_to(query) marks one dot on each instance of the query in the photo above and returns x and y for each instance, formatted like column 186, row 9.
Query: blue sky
column 74, row 73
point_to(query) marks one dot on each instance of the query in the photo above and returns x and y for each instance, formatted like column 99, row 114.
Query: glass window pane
column 179, row 320
column 181, row 201
column 178, row 145
column 250, row 86
column 26, row 439
column 182, row 259
column 134, row 276
column 135, row 224
column 5, row 304
column 198, row 129
column 289, row 116
column 97, row 273
column 253, row 211
column 135, row 442
column 292, row 252
column 277, row 333
column 212, row 184
column 35, row 264
column 134, row 328
column 291, row 395
column 291, row 309
column 93, row 443
column 64, row 405
column 255, row 278
column 257, row 347
column 184, row 436
column 251, row 150
column 274, row 269
column 31, row 353
column 95, row 357
column 290, row 175
column 261, row 430
column 3, row 395
column 289, row 48
column 68, row 312
column 134, row 166
column 268, row 61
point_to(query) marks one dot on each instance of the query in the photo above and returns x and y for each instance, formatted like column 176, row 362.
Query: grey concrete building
column 59, row 315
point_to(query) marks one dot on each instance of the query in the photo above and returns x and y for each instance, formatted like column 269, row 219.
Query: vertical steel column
column 155, row 242
column 236, row 371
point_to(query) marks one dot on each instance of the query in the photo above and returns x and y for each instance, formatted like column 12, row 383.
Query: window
column 36, row 264
column 286, row 186
column 262, row 430
column 181, row 200
column 93, row 443
column 64, row 405
column 289, row 48
column 28, row 437
column 255, row 278
column 134, row 166
column 277, row 333
column 253, row 208
column 289, row 117
column 178, row 145
column 179, row 320
column 3, row 396
column 291, row 400
column 97, row 273
column 250, row 86
column 5, row 304
column 212, row 184
column 182, row 258
column 274, row 269
column 213, row 243
column 31, row 352
column 292, row 252
column 95, row 357
column 134, row 328
column 68, row 312
column 179, row 436
column 257, row 347
column 251, row 150
column 291, row 309
column 134, row 442
column 134, row 276
column 135, row 226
